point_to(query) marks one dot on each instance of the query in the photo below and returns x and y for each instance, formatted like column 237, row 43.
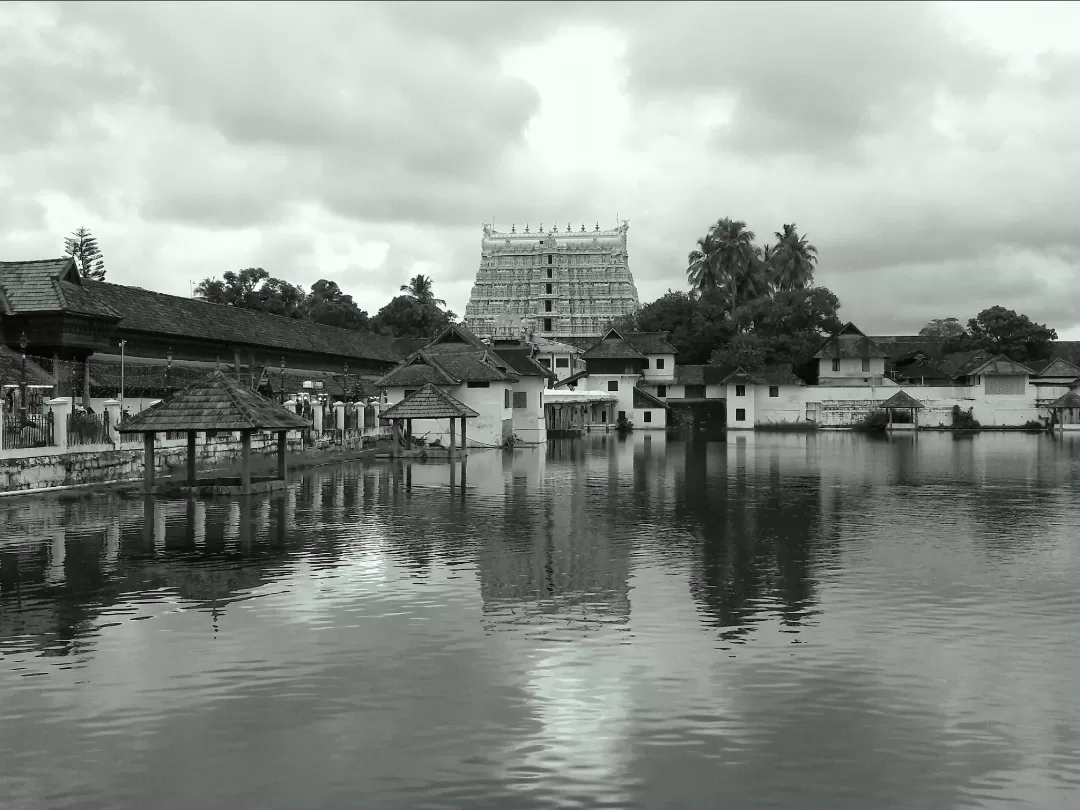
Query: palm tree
column 726, row 260
column 793, row 260
column 420, row 287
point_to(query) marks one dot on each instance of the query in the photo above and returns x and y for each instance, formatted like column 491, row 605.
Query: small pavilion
column 216, row 402
column 427, row 403
column 902, row 401
column 1066, row 409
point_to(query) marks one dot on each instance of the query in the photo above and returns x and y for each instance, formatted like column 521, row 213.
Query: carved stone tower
column 565, row 286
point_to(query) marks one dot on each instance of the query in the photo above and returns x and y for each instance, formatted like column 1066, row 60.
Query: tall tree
column 327, row 304
column 83, row 247
column 727, row 261
column 421, row 288
column 1005, row 331
column 406, row 316
column 942, row 329
column 696, row 323
column 791, row 263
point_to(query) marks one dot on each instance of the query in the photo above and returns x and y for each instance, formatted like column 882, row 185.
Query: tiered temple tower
column 561, row 285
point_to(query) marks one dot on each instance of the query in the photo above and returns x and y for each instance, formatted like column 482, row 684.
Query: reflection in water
column 807, row 620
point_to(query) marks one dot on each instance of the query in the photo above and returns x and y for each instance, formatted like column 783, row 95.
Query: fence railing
column 88, row 428
column 36, row 430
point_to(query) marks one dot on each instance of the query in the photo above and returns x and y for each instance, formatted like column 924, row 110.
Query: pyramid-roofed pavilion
column 429, row 403
column 901, row 399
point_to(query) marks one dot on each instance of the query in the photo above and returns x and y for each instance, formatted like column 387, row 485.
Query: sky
column 927, row 150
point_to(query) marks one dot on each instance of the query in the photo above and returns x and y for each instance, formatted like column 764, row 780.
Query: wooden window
column 647, row 416
column 836, row 364
column 521, row 400
column 740, row 390
column 740, row 414
column 478, row 384
column 646, row 362
column 661, row 390
column 774, row 390
column 866, row 364
column 613, row 385
column 506, row 397
column 545, row 361
column 562, row 362
column 409, row 392
column 1011, row 385
column 659, row 362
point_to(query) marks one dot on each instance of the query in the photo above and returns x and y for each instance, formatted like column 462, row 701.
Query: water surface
column 788, row 621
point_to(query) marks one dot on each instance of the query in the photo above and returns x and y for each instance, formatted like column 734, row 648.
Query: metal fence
column 88, row 428
column 35, row 430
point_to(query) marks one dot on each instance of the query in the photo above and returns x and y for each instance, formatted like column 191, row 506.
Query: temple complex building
column 564, row 286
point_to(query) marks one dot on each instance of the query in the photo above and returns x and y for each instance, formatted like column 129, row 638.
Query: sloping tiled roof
column 573, row 378
column 453, row 334
column 429, row 403
column 50, row 285
column 11, row 369
column 779, row 375
column 613, row 348
column 901, row 399
column 419, row 371
column 1055, row 367
column 921, row 371
column 957, row 364
column 158, row 313
column 1070, row 399
column 845, row 346
column 407, row 347
column 216, row 402
column 897, row 346
column 650, row 342
column 521, row 361
column 700, row 375
column 474, row 366
column 999, row 365
column 643, row 399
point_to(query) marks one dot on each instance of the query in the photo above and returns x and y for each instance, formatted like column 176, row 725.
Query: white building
column 563, row 359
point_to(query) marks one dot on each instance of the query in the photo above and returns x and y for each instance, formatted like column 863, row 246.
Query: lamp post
column 23, row 343
column 345, row 384
column 168, row 368
column 282, row 380
column 123, row 343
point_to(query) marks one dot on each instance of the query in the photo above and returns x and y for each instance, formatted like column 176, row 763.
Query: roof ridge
column 228, row 384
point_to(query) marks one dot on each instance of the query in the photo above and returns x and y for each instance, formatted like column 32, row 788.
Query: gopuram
column 561, row 285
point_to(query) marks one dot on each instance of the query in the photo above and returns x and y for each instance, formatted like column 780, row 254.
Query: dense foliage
column 410, row 317
column 83, row 247
column 996, row 329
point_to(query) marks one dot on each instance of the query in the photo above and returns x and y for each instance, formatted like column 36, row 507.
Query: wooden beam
column 191, row 458
column 245, row 462
column 464, row 446
column 148, row 462
column 281, row 447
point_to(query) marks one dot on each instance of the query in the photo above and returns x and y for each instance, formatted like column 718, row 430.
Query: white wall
column 573, row 364
column 678, row 391
column 788, row 406
column 745, row 403
column 487, row 429
column 652, row 373
column 658, row 418
column 851, row 367
column 529, row 424
column 599, row 382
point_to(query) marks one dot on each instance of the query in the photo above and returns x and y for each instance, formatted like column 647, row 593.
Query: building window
column 551, row 259
column 545, row 361
column 547, row 305
column 661, row 390
column 740, row 414
column 836, row 364
column 547, row 324
column 774, row 390
column 740, row 390
column 613, row 385
column 647, row 416
column 866, row 364
column 549, row 274
column 547, row 289
column 603, row 416
column 694, row 392
column 562, row 362
column 521, row 400
column 506, row 397
column 646, row 362
column 478, row 384
column 622, row 415
column 409, row 392
column 659, row 362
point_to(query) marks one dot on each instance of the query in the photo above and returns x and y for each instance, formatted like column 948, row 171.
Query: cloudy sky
column 930, row 151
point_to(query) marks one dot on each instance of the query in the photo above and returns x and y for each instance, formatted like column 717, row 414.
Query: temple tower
column 561, row 285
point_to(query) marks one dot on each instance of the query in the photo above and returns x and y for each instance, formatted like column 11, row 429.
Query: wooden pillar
column 395, row 426
column 408, row 434
column 56, row 375
column 245, row 462
column 236, row 363
column 453, row 444
column 281, row 446
column 191, row 458
column 86, row 383
column 148, row 462
column 464, row 446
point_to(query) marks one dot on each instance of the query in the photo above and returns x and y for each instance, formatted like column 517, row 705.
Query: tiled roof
column 50, row 285
column 216, row 402
column 846, row 346
column 450, row 368
column 898, row 346
column 453, row 334
column 612, row 346
column 779, row 375
column 650, row 342
column 643, row 399
column 701, row 375
column 901, row 399
column 1055, row 367
column 429, row 403
column 573, row 378
column 1070, row 399
column 521, row 361
column 11, row 369
column 419, row 371
column 158, row 313
column 999, row 365
column 921, row 371
column 406, row 347
column 957, row 364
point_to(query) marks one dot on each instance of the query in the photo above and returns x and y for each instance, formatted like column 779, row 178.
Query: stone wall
column 102, row 464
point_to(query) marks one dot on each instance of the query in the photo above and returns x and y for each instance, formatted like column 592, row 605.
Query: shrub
column 873, row 422
column 623, row 424
column 964, row 420
column 1033, row 425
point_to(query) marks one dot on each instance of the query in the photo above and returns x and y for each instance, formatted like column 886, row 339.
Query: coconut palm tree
column 793, row 260
column 727, row 260
column 421, row 288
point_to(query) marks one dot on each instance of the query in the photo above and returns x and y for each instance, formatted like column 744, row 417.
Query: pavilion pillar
column 408, row 434
column 395, row 430
column 245, row 462
column 236, row 363
column 191, row 458
column 281, row 446
column 86, row 383
column 464, row 446
column 148, row 462
column 453, row 445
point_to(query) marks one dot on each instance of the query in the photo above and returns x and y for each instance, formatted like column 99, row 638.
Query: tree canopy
column 421, row 288
column 942, row 329
column 254, row 288
column 696, row 323
column 409, row 317
column 1005, row 331
column 83, row 247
